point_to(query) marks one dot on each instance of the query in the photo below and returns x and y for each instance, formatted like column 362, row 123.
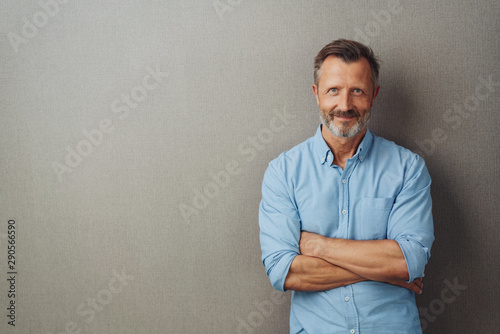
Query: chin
column 344, row 130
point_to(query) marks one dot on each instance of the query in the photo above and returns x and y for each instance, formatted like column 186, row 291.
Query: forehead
column 335, row 70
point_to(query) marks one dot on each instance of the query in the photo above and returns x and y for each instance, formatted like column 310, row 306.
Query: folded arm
column 377, row 260
column 308, row 273
column 311, row 273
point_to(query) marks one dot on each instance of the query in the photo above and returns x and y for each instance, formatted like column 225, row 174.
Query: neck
column 342, row 148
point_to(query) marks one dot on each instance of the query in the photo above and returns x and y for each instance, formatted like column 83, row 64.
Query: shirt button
column 344, row 181
column 352, row 331
column 346, row 299
column 344, row 212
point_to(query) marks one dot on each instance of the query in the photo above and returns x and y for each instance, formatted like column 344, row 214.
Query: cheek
column 326, row 103
column 363, row 104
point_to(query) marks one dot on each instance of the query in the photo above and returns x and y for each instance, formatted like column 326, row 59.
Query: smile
column 345, row 118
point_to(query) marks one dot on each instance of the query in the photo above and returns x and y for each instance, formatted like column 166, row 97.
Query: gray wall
column 135, row 196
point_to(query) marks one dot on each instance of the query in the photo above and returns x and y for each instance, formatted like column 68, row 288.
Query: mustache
column 348, row 113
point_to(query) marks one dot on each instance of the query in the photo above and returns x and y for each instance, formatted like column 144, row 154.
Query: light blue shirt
column 383, row 193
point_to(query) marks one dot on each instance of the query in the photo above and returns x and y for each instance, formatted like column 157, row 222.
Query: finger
column 415, row 288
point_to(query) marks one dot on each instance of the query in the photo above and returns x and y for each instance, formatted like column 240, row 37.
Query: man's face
column 345, row 94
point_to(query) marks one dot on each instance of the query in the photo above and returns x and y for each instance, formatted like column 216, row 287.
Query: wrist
column 312, row 244
column 328, row 249
column 318, row 247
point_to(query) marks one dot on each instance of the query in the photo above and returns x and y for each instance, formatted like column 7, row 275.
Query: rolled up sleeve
column 410, row 222
column 279, row 224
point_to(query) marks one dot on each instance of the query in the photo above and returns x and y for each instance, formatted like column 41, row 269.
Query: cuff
column 416, row 257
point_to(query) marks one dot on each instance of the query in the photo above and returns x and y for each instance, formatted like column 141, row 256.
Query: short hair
column 349, row 51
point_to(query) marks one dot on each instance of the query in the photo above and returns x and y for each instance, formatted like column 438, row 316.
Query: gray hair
column 349, row 51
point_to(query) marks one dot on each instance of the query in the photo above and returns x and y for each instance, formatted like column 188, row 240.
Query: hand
column 415, row 286
column 311, row 244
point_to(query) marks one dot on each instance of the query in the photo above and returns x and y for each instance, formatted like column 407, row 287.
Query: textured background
column 150, row 226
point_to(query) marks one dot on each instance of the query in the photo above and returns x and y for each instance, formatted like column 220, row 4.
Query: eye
column 357, row 91
column 333, row 90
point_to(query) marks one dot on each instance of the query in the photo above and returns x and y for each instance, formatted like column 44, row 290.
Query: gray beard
column 344, row 131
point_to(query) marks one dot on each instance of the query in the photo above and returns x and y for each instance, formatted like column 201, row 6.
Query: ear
column 315, row 91
column 375, row 93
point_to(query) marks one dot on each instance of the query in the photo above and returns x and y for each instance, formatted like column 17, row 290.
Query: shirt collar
column 323, row 151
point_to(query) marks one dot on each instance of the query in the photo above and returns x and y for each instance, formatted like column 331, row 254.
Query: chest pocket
column 374, row 217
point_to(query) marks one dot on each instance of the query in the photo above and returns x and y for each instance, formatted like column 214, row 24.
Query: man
column 345, row 217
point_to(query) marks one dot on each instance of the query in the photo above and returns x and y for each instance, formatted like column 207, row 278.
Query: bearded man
column 345, row 218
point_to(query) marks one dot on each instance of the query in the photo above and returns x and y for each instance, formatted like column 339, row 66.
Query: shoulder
column 291, row 159
column 396, row 158
column 384, row 148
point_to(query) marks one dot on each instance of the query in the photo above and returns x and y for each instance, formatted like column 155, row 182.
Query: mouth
column 345, row 116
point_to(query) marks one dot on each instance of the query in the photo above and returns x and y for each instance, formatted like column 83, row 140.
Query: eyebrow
column 362, row 87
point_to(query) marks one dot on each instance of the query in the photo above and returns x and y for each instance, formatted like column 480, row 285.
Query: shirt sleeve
column 279, row 227
column 410, row 222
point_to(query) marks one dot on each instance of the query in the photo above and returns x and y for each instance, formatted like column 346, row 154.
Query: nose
column 344, row 103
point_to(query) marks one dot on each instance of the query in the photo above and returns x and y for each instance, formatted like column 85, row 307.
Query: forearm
column 378, row 260
column 308, row 273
